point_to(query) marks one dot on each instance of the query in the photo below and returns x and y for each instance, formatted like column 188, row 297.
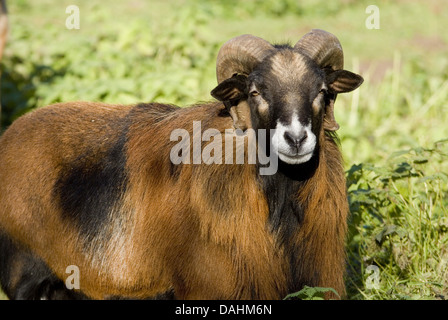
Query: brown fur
column 325, row 224
column 198, row 230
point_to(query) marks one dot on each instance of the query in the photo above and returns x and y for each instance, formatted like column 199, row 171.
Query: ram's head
column 289, row 89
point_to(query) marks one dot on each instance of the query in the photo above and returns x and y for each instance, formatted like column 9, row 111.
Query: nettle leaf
column 311, row 293
column 363, row 196
column 354, row 174
column 389, row 230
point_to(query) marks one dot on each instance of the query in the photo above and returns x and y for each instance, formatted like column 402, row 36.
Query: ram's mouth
column 295, row 158
column 290, row 149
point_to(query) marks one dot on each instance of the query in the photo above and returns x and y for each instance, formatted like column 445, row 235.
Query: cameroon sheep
column 92, row 185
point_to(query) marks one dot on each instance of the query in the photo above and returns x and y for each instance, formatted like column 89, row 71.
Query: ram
column 92, row 185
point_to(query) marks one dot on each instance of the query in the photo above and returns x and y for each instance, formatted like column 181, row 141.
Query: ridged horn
column 323, row 47
column 240, row 55
column 326, row 50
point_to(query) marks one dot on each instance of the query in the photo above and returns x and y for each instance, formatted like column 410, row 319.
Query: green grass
column 400, row 224
column 392, row 128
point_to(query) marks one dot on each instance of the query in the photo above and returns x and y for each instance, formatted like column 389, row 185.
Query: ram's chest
column 245, row 259
column 246, row 244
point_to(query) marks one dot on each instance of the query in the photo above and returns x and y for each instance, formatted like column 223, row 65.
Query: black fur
column 175, row 170
column 281, row 189
column 221, row 194
column 90, row 187
column 168, row 295
column 282, row 46
column 286, row 214
column 24, row 276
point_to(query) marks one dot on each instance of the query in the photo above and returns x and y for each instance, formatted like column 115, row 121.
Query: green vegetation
column 311, row 293
column 393, row 129
column 400, row 224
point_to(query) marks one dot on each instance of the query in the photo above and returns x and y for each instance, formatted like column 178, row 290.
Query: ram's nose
column 295, row 139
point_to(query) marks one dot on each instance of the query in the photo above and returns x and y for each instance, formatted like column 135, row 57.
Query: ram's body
column 138, row 226
column 94, row 186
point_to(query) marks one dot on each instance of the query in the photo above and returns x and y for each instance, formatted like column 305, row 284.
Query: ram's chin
column 295, row 159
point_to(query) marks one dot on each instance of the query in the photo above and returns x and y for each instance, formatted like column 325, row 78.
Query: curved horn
column 240, row 55
column 323, row 47
column 326, row 50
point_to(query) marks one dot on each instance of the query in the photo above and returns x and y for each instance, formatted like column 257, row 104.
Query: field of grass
column 394, row 131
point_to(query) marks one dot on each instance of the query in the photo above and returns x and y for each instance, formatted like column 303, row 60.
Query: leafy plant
column 310, row 293
column 398, row 223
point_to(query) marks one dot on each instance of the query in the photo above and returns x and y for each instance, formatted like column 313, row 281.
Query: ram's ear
column 233, row 93
column 338, row 82
column 232, row 89
column 343, row 81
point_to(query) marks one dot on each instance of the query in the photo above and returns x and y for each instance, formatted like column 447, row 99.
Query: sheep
column 92, row 185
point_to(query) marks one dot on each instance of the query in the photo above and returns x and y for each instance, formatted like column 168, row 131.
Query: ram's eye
column 254, row 93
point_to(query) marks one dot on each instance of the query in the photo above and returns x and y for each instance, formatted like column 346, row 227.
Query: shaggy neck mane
column 304, row 204
column 286, row 212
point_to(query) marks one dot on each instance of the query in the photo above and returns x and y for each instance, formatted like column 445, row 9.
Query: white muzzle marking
column 294, row 152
